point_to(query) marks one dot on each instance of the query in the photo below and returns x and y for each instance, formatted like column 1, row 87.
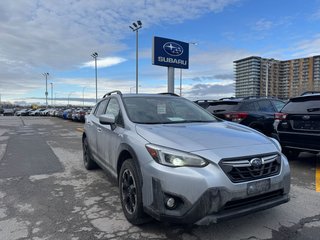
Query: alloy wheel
column 129, row 191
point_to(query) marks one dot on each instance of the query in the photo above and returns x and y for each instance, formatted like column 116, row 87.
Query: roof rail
column 257, row 97
column 309, row 92
column 109, row 93
column 204, row 100
column 168, row 93
column 229, row 98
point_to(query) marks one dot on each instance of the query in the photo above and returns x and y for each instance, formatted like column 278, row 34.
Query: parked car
column 22, row 112
column 176, row 162
column 8, row 112
column 257, row 113
column 66, row 113
column 298, row 125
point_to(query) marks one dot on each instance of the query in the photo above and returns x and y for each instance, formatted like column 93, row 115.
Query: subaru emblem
column 305, row 117
column 256, row 162
column 173, row 49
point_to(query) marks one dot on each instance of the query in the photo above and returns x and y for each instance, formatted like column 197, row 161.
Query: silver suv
column 176, row 162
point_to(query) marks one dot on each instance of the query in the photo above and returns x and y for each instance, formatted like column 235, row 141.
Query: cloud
column 211, row 91
column 214, row 77
column 310, row 47
column 263, row 25
column 105, row 62
column 38, row 36
column 315, row 15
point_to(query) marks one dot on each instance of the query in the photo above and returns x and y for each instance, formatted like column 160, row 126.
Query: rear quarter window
column 279, row 105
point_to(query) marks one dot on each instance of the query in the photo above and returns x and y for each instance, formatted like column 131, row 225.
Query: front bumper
column 212, row 206
column 206, row 195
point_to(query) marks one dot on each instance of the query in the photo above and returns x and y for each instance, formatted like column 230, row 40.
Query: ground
column 46, row 193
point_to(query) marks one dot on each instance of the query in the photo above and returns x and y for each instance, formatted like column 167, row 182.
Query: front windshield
column 160, row 110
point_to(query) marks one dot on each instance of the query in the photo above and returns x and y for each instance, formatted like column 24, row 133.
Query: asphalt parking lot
column 46, row 193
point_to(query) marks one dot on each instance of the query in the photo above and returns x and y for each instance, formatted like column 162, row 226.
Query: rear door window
column 249, row 106
column 265, row 106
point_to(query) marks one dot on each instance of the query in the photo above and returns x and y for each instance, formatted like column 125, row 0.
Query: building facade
column 256, row 76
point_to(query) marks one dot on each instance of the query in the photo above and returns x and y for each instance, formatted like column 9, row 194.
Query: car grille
column 243, row 170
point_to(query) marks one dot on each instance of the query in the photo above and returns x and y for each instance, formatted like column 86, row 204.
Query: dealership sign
column 170, row 53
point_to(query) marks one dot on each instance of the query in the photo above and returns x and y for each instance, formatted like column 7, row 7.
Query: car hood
column 201, row 136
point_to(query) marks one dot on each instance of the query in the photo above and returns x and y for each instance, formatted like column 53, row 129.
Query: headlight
column 275, row 141
column 174, row 158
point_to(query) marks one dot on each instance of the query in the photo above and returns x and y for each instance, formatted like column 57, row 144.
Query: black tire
column 88, row 162
column 130, row 193
column 291, row 154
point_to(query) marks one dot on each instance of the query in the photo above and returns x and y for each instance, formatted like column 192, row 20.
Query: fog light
column 171, row 203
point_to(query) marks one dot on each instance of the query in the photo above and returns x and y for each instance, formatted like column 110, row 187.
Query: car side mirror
column 106, row 119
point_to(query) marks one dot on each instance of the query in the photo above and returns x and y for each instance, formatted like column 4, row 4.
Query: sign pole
column 170, row 79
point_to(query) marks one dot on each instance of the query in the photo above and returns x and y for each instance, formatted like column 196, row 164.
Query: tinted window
column 165, row 110
column 265, row 106
column 278, row 104
column 222, row 107
column 303, row 105
column 249, row 106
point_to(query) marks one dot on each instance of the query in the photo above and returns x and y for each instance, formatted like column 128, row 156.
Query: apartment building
column 257, row 76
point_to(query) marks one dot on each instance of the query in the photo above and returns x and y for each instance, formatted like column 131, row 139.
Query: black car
column 298, row 125
column 257, row 113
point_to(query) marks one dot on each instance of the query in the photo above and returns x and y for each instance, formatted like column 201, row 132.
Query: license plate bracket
column 258, row 187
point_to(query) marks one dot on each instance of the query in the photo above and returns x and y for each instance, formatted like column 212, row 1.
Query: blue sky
column 59, row 36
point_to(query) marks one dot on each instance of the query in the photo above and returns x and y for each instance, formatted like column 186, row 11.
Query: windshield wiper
column 313, row 109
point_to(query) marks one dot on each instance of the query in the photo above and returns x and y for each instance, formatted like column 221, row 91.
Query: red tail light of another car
column 236, row 117
column 280, row 116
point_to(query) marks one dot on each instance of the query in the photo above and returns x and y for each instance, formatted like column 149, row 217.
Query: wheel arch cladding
column 126, row 152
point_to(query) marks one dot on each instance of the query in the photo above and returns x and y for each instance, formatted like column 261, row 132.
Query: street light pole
column 46, row 93
column 95, row 55
column 135, row 27
column 83, row 96
column 51, row 94
column 55, row 99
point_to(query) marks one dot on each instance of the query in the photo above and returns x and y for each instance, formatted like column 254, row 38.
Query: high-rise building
column 256, row 76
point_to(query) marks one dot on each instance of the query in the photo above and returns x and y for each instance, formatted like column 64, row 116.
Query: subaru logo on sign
column 170, row 53
column 173, row 49
column 256, row 162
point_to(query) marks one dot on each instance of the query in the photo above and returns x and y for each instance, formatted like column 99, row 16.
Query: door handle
column 99, row 129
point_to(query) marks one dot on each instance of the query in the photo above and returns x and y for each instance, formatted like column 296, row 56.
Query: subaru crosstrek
column 176, row 162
